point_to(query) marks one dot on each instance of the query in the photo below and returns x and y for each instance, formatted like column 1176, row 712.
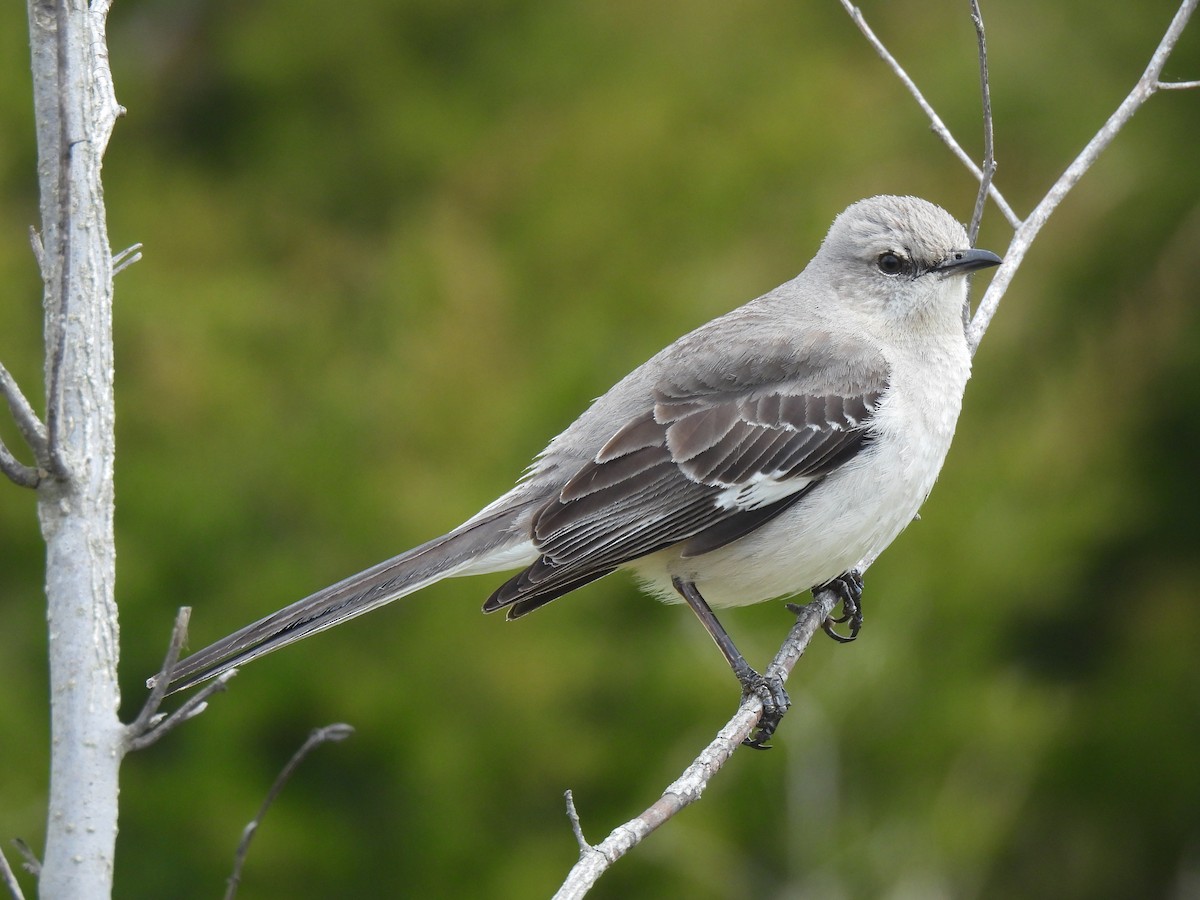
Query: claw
column 849, row 588
column 775, row 701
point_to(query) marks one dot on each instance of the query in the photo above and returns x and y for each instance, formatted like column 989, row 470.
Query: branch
column 150, row 724
column 16, row 471
column 31, row 428
column 989, row 151
column 336, row 732
column 939, row 127
column 126, row 258
column 1145, row 88
column 31, row 863
column 195, row 705
column 594, row 861
column 9, row 880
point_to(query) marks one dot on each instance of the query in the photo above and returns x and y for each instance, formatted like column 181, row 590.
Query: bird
column 761, row 455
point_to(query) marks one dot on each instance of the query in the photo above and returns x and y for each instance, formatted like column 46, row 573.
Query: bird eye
column 890, row 263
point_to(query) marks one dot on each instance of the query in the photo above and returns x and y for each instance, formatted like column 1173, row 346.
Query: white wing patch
column 759, row 490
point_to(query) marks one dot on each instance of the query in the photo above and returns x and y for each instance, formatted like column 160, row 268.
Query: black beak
column 961, row 262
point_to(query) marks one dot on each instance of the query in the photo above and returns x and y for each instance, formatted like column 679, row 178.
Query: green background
column 392, row 248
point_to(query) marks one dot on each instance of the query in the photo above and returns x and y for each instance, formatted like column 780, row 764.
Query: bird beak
column 961, row 262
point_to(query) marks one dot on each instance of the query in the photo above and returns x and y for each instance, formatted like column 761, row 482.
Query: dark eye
column 890, row 263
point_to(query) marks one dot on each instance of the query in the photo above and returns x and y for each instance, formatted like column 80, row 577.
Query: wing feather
column 713, row 458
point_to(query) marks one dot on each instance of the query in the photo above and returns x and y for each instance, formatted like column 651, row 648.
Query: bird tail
column 487, row 543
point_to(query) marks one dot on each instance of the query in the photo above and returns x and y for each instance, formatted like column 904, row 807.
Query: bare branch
column 158, row 726
column 1145, row 88
column 27, row 420
column 31, row 429
column 9, row 880
column 126, row 258
column 1176, row 85
column 16, row 471
column 939, row 127
column 576, row 825
column 336, row 732
column 148, row 717
column 151, row 725
column 30, row 863
column 594, row 861
column 989, row 146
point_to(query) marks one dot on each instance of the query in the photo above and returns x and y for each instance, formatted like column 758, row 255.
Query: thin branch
column 594, row 861
column 31, row 429
column 151, row 725
column 126, row 258
column 576, row 825
column 1145, row 88
column 989, row 146
column 148, row 717
column 30, row 426
column 939, row 127
column 336, row 732
column 30, row 862
column 16, row 471
column 1177, row 85
column 9, row 880
column 196, row 704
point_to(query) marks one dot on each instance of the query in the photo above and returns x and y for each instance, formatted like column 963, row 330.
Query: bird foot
column 849, row 588
column 775, row 701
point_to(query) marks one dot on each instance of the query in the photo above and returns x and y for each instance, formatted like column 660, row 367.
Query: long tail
column 485, row 544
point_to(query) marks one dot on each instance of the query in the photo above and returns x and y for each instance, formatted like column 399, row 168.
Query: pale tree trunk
column 75, row 110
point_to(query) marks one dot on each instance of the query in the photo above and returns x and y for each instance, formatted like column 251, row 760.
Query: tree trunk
column 75, row 109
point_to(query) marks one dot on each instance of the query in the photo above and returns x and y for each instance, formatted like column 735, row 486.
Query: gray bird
column 765, row 453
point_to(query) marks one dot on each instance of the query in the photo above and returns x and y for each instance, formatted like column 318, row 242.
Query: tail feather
column 466, row 550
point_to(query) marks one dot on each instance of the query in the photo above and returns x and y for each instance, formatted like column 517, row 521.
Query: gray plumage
column 766, row 452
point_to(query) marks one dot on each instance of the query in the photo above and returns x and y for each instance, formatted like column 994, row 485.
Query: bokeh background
column 391, row 248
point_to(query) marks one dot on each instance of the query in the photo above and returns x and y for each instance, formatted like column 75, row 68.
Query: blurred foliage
column 390, row 251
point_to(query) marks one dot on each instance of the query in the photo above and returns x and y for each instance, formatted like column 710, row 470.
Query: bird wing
column 716, row 456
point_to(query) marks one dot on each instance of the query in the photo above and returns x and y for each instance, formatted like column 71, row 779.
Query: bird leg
column 769, row 690
column 849, row 588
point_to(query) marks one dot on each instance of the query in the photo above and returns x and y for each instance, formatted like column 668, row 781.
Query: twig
column 30, row 863
column 148, row 717
column 1177, row 85
column 126, row 258
column 16, row 471
column 576, row 825
column 939, row 127
column 31, row 428
column 9, row 879
column 196, row 704
column 336, row 732
column 1145, row 88
column 150, row 725
column 989, row 147
column 594, row 861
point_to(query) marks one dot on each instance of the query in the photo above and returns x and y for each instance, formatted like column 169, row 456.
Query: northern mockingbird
column 762, row 454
